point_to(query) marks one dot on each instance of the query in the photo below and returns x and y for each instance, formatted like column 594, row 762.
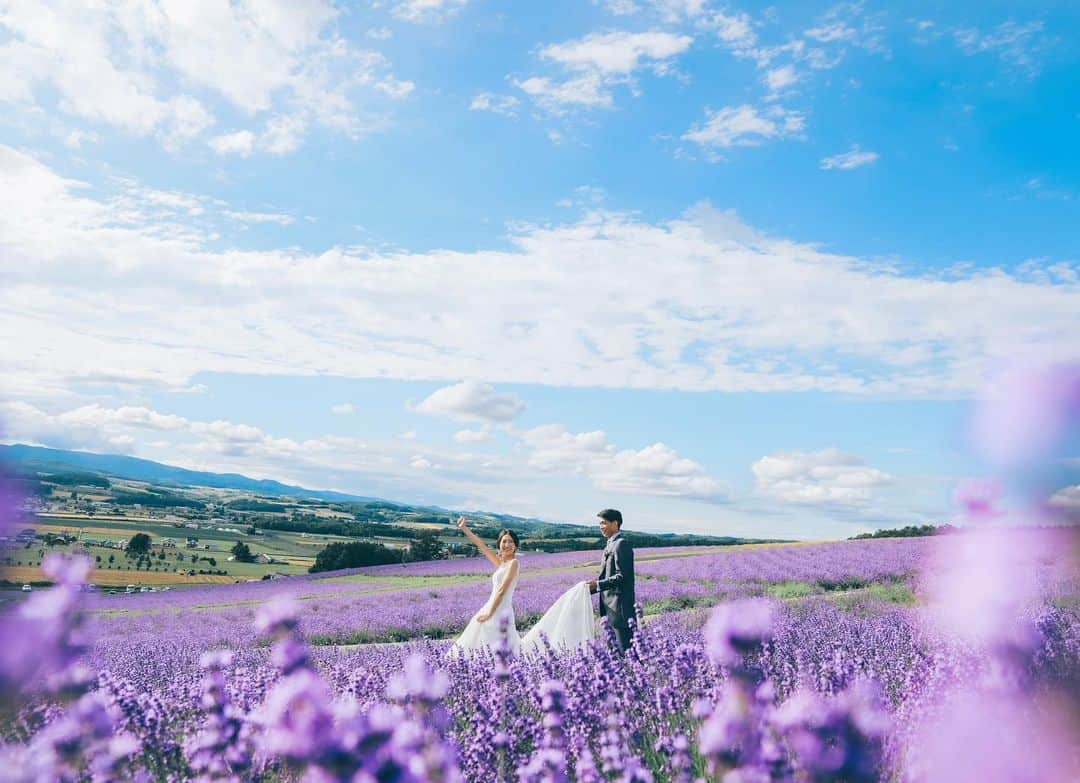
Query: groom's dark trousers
column 616, row 587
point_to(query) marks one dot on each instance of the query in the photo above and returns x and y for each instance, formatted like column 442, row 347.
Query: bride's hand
column 461, row 524
column 483, row 617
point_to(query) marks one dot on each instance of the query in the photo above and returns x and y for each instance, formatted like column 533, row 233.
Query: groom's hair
column 507, row 532
column 611, row 515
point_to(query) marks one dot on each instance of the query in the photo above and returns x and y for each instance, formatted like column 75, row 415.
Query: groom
column 616, row 581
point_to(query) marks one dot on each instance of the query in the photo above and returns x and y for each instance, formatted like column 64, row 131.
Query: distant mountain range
column 45, row 460
column 136, row 469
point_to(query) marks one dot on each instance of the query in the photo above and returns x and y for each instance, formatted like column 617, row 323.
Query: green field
column 295, row 552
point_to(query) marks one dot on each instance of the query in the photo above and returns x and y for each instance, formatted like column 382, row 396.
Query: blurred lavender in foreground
column 983, row 584
column 43, row 644
column 1025, row 413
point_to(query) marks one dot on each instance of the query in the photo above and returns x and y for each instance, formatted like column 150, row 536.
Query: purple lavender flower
column 736, row 629
column 997, row 738
column 418, row 683
column 585, row 767
column 1025, row 412
column 978, row 498
column 221, row 750
column 278, row 616
column 549, row 763
column 66, row 571
column 296, row 721
column 836, row 738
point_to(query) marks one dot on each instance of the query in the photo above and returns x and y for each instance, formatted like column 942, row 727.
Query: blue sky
column 735, row 268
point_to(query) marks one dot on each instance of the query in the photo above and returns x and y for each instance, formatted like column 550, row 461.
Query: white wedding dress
column 478, row 635
column 568, row 624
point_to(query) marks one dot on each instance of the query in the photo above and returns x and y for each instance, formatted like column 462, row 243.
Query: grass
column 888, row 592
column 793, row 589
column 678, row 604
column 407, row 582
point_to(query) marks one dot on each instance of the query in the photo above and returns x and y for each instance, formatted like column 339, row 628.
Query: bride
column 483, row 630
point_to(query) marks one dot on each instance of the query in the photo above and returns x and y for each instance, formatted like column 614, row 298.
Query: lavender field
column 436, row 599
column 833, row 661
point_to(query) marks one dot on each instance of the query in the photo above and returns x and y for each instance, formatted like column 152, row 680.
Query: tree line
column 906, row 532
column 356, row 554
column 309, row 523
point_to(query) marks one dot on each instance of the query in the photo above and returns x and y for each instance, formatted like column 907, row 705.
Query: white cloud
column 735, row 31
column 388, row 468
column 281, row 135
column 1018, row 45
column 821, row 47
column 408, row 435
column 187, row 118
column 122, row 65
column 88, row 426
column 259, row 217
column 474, row 436
column 850, row 24
column 427, row 11
column 505, row 105
column 616, row 52
column 240, row 143
column 597, row 63
column 678, row 10
column 75, row 138
column 834, row 31
column 343, row 409
column 818, row 478
column 585, row 91
column 852, row 159
column 618, row 7
column 777, row 79
column 744, row 126
column 395, row 88
column 1067, row 502
column 653, row 470
column 472, row 401
column 585, row 197
column 689, row 303
column 185, row 217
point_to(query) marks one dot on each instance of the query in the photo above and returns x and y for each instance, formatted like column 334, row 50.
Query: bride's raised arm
column 485, row 550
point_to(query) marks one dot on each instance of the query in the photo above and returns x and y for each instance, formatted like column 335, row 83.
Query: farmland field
column 291, row 553
column 843, row 614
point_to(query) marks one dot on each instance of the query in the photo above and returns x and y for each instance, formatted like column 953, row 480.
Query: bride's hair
column 507, row 532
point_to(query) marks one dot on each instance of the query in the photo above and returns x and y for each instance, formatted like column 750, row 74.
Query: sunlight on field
column 405, row 582
column 120, row 577
column 99, row 528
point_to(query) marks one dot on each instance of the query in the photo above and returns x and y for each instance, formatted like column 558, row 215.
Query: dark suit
column 616, row 587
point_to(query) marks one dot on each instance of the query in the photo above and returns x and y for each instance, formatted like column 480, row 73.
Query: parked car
column 27, row 588
column 130, row 589
column 144, row 589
